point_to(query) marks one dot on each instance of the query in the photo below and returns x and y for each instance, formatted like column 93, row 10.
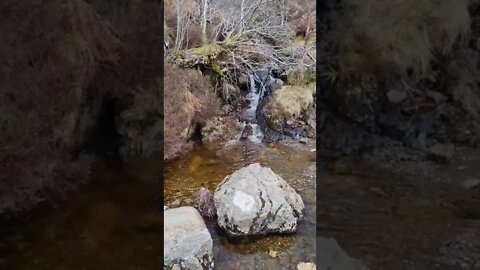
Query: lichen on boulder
column 187, row 242
column 256, row 201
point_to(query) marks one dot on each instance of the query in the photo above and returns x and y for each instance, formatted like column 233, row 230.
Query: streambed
column 115, row 221
column 206, row 166
column 404, row 220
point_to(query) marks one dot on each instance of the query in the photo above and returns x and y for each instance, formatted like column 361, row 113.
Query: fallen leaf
column 272, row 254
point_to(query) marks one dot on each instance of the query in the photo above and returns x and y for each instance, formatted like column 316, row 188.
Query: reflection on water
column 207, row 166
column 114, row 222
column 111, row 223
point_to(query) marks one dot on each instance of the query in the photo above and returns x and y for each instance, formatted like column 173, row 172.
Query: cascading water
column 250, row 115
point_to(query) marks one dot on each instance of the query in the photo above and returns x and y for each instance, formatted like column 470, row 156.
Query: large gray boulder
column 187, row 242
column 254, row 201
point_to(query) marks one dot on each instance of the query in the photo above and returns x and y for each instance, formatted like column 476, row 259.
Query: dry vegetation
column 421, row 42
column 240, row 36
column 291, row 101
column 60, row 59
column 43, row 95
column 397, row 37
column 141, row 125
column 415, row 41
column 189, row 101
column 426, row 51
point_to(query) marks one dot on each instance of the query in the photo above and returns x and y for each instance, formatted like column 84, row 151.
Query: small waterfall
column 250, row 115
column 253, row 98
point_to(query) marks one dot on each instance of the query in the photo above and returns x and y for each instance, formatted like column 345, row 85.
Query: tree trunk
column 204, row 22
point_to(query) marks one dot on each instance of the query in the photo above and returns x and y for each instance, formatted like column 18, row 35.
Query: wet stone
column 256, row 201
column 442, row 152
column 471, row 183
column 175, row 204
column 187, row 241
column 396, row 96
column 462, row 251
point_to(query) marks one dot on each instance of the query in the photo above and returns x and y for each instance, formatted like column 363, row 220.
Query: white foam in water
column 253, row 98
column 241, row 126
column 257, row 134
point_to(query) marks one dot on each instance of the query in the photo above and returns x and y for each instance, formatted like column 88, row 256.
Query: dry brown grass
column 60, row 58
column 54, row 53
column 397, row 37
column 189, row 101
column 302, row 17
column 290, row 101
column 194, row 37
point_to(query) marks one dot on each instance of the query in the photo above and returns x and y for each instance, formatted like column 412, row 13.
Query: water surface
column 207, row 166
column 115, row 221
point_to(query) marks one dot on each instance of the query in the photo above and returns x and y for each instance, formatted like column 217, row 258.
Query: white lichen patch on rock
column 244, row 201
column 254, row 201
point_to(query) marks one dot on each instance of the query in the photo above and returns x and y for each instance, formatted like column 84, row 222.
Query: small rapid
column 259, row 81
column 248, row 126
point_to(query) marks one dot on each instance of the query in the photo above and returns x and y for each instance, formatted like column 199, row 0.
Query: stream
column 404, row 221
column 114, row 222
column 206, row 166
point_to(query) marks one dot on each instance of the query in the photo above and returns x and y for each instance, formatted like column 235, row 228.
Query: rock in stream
column 256, row 201
column 187, row 242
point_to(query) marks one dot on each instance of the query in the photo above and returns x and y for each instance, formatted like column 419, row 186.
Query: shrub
column 189, row 101
column 194, row 37
column 397, row 37
column 302, row 16
column 141, row 125
column 54, row 53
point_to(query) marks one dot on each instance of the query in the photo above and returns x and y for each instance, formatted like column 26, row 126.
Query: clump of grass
column 397, row 37
column 291, row 101
column 300, row 77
